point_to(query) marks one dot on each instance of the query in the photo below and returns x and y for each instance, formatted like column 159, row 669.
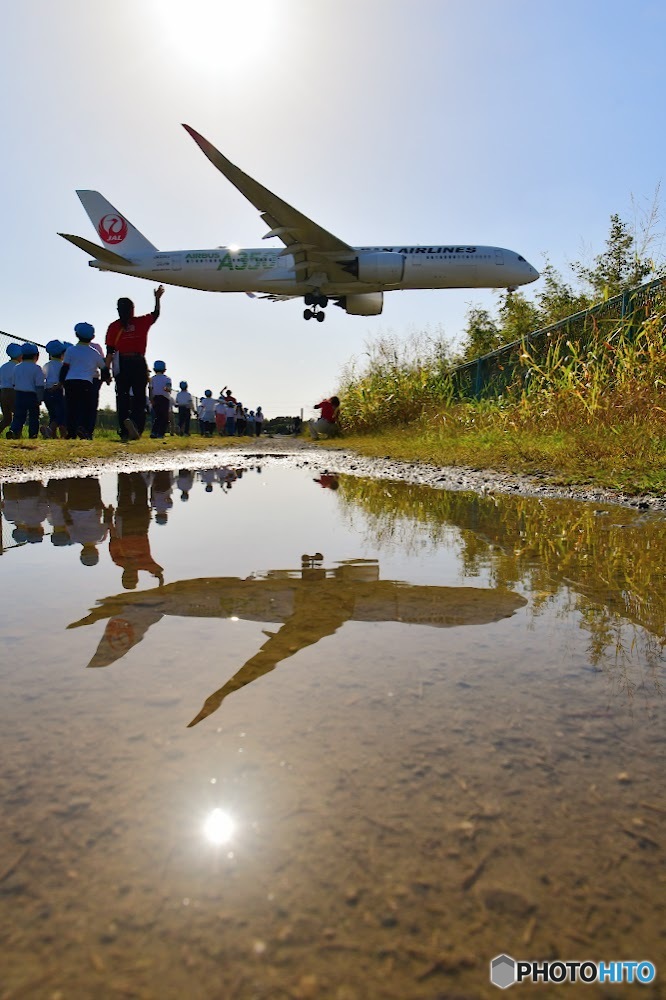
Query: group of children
column 224, row 416
column 227, row 416
column 68, row 385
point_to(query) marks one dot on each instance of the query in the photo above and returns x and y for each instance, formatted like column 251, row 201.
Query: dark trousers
column 184, row 420
column 7, row 404
column 54, row 401
column 258, row 424
column 132, row 377
column 160, row 416
column 78, row 405
column 27, row 405
column 94, row 406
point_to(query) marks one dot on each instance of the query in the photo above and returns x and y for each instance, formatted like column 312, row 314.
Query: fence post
column 478, row 380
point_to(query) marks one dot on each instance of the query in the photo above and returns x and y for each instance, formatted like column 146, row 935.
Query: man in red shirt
column 127, row 338
column 328, row 421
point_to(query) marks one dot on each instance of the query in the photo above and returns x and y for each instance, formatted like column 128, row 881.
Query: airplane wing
column 99, row 253
column 315, row 250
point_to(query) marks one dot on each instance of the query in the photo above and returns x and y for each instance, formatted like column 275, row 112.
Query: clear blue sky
column 513, row 123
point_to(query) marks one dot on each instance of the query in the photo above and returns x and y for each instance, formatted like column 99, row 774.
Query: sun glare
column 216, row 36
column 219, row 827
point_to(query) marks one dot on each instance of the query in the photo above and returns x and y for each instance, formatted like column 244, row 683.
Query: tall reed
column 612, row 376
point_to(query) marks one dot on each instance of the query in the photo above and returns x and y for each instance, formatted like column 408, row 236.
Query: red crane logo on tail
column 112, row 229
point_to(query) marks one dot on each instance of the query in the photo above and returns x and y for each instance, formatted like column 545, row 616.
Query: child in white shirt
column 160, row 398
column 54, row 394
column 28, row 380
column 207, row 418
column 7, row 390
column 185, row 409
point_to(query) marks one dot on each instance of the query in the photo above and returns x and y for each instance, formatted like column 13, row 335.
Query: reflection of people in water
column 25, row 506
column 208, row 477
column 56, row 499
column 129, row 546
column 184, row 483
column 87, row 517
column 327, row 481
column 160, row 495
column 10, row 506
column 309, row 605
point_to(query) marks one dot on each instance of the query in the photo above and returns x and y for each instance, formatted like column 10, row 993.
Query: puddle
column 268, row 735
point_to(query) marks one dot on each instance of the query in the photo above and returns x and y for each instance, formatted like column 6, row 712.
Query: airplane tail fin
column 115, row 231
column 99, row 253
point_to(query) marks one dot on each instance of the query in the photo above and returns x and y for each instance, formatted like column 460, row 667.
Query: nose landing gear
column 319, row 303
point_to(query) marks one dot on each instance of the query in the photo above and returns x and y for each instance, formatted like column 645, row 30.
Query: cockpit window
column 521, row 258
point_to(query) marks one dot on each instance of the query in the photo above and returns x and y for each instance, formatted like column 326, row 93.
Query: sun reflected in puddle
column 219, row 827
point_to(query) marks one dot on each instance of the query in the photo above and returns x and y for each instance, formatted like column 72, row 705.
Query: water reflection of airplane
column 312, row 603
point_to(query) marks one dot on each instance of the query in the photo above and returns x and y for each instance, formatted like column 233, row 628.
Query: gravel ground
column 300, row 452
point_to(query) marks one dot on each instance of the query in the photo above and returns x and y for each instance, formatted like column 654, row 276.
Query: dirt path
column 301, row 452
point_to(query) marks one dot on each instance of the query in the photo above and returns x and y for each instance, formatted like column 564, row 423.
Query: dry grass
column 27, row 454
column 594, row 415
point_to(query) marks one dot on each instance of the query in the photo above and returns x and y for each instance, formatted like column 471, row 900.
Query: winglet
column 245, row 184
column 204, row 144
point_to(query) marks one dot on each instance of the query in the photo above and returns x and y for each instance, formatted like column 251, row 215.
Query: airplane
column 314, row 264
column 310, row 604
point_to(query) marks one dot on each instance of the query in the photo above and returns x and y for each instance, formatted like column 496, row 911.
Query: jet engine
column 383, row 268
column 370, row 304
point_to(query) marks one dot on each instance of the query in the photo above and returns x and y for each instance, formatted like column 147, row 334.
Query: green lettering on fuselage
column 244, row 261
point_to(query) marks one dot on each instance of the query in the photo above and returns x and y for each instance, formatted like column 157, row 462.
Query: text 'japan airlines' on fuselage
column 313, row 263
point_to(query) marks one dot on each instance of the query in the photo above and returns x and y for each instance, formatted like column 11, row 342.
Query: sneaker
column 130, row 427
column 45, row 431
column 10, row 435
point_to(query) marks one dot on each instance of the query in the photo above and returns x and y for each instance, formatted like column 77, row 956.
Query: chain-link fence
column 6, row 339
column 490, row 375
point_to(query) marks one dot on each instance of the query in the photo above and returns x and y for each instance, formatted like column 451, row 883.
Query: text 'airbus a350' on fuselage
column 314, row 264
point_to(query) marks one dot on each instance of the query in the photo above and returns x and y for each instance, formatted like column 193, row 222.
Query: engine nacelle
column 382, row 268
column 370, row 304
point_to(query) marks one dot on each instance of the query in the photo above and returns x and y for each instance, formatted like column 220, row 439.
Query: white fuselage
column 268, row 271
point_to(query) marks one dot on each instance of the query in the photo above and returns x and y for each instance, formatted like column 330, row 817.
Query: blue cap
column 183, row 385
column 84, row 331
column 159, row 366
column 14, row 351
column 55, row 347
column 208, row 392
column 29, row 350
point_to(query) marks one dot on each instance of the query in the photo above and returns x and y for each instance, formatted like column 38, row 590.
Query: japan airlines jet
column 314, row 263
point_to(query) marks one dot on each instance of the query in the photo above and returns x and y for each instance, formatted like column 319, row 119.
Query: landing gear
column 319, row 303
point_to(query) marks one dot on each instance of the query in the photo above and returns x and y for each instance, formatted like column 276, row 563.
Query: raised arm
column 159, row 292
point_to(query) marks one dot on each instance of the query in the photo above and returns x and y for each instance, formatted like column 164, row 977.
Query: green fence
column 490, row 375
